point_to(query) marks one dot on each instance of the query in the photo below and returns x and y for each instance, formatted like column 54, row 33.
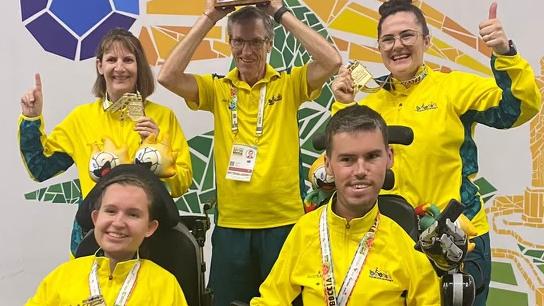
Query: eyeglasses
column 406, row 38
column 254, row 44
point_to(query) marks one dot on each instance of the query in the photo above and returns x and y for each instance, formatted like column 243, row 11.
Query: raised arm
column 325, row 58
column 32, row 138
column 172, row 74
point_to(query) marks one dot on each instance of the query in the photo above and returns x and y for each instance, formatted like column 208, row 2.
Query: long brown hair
column 145, row 82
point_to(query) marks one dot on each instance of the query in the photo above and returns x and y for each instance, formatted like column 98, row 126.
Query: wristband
column 279, row 13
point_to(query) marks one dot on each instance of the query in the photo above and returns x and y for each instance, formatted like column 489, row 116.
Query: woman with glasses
column 443, row 109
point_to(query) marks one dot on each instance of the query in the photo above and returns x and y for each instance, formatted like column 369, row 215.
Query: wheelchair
column 177, row 245
column 458, row 289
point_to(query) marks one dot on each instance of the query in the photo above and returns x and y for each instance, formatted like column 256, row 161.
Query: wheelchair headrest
column 398, row 134
column 166, row 211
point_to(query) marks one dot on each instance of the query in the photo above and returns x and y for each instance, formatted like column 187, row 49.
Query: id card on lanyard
column 243, row 157
column 97, row 299
column 355, row 268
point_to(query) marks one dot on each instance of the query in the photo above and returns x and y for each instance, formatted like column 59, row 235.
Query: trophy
column 226, row 3
column 361, row 77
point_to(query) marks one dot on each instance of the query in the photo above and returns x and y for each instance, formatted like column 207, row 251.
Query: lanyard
column 122, row 297
column 356, row 264
column 233, row 106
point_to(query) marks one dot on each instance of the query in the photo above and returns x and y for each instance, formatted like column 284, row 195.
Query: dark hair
column 392, row 7
column 145, row 83
column 354, row 118
column 130, row 180
column 251, row 13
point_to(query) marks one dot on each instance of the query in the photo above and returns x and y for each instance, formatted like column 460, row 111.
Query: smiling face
column 120, row 70
column 122, row 221
column 250, row 56
column 401, row 60
column 358, row 161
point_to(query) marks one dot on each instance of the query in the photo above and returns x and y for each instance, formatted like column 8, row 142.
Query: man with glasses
column 256, row 143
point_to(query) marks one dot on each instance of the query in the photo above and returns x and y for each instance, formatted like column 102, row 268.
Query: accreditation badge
column 241, row 163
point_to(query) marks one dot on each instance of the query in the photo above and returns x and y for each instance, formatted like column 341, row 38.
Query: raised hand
column 492, row 32
column 145, row 126
column 216, row 14
column 32, row 100
column 342, row 86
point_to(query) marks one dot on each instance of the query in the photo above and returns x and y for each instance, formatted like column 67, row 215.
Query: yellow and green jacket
column 443, row 110
column 72, row 140
column 68, row 284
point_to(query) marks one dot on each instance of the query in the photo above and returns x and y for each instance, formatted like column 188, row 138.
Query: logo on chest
column 426, row 107
column 274, row 99
column 380, row 274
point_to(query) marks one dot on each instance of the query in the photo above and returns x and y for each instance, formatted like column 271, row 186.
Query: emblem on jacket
column 379, row 274
column 425, row 107
column 274, row 99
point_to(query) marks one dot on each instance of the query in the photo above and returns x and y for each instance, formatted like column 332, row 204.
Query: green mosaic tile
column 485, row 186
column 193, row 202
column 276, row 60
column 203, row 145
column 534, row 253
column 307, row 159
column 199, row 166
column 503, row 272
column 57, row 188
column 31, row 195
column 48, row 197
column 306, row 112
column 42, row 193
column 209, row 179
column 521, row 248
column 500, row 297
column 59, row 199
column 182, row 205
column 67, row 188
column 311, row 19
column 312, row 122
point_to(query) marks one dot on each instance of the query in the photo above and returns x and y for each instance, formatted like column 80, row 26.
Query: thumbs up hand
column 32, row 101
column 492, row 32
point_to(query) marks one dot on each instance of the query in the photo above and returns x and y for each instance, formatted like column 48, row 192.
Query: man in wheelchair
column 347, row 252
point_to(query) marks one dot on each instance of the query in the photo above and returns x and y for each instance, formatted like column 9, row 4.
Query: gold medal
column 226, row 3
column 135, row 106
column 361, row 77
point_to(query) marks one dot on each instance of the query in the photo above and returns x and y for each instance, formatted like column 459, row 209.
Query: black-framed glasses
column 238, row 43
column 406, row 37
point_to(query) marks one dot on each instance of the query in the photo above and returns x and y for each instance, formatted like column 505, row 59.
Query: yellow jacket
column 391, row 268
column 68, row 284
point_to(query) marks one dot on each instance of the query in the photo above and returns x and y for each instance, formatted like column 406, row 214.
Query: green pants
column 241, row 260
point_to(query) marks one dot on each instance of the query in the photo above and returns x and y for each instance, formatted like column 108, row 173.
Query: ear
column 427, row 41
column 269, row 46
column 152, row 227
column 94, row 216
column 99, row 66
column 328, row 166
column 390, row 157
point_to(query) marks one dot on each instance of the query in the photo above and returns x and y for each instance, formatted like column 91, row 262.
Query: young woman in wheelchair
column 124, row 214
